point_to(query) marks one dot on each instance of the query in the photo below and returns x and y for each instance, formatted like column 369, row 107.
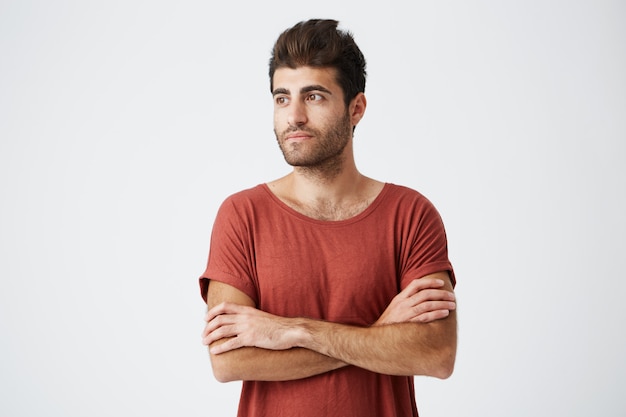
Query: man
column 327, row 290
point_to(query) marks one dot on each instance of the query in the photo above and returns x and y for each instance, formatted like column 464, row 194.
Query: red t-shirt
column 344, row 271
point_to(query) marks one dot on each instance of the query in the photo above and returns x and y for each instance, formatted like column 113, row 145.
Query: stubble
column 322, row 155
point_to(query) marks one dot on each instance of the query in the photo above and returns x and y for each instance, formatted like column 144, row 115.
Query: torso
column 344, row 272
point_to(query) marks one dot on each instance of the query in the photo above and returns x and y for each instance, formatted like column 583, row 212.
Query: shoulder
column 243, row 203
column 404, row 195
column 249, row 196
column 409, row 205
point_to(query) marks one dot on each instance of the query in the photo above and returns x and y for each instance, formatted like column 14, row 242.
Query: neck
column 327, row 195
column 332, row 181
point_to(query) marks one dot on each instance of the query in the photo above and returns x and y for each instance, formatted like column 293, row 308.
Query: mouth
column 297, row 136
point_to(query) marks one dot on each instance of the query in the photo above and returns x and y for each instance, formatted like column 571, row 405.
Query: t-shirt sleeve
column 231, row 256
column 428, row 248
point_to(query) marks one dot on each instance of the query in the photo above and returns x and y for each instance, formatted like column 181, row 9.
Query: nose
column 297, row 114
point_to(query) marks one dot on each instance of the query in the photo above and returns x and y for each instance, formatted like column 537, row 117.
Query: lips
column 297, row 136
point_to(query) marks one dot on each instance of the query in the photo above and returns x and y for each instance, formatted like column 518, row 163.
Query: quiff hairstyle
column 318, row 43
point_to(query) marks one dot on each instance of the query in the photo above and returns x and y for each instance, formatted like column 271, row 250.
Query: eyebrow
column 304, row 90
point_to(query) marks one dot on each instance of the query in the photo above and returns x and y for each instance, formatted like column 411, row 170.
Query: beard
column 324, row 151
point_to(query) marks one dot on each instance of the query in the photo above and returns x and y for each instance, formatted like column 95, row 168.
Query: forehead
column 293, row 79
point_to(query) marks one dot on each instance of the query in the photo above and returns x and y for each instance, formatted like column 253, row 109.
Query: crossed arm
column 415, row 335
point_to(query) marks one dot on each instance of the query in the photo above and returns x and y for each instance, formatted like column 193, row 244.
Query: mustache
column 293, row 129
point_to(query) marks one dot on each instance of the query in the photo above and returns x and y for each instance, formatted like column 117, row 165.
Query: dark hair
column 318, row 43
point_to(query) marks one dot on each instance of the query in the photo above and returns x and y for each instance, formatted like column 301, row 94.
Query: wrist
column 306, row 329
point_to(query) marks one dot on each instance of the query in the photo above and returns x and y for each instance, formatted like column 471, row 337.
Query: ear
column 357, row 109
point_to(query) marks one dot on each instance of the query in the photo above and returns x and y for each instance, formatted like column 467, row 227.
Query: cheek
column 279, row 119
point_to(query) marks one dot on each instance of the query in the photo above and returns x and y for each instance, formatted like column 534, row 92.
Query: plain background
column 124, row 124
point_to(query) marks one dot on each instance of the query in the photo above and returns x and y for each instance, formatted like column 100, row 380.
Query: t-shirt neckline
column 365, row 213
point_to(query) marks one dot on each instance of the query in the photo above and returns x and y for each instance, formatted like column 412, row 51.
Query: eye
column 281, row 100
column 314, row 97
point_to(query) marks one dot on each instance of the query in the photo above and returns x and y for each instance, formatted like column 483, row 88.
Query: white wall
column 124, row 124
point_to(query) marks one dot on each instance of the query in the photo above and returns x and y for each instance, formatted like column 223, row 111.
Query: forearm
column 395, row 349
column 251, row 363
column 416, row 335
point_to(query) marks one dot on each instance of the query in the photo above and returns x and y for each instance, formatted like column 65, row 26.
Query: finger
column 223, row 308
column 210, row 327
column 219, row 321
column 432, row 306
column 228, row 345
column 220, row 333
column 414, row 312
column 421, row 284
column 205, row 332
column 431, row 316
column 214, row 323
column 432, row 295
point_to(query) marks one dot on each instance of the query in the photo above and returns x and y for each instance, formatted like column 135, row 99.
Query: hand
column 421, row 301
column 247, row 326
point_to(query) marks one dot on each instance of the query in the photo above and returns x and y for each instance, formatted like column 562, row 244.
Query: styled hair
column 318, row 43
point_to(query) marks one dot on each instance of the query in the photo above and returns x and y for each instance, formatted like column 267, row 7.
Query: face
column 311, row 122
